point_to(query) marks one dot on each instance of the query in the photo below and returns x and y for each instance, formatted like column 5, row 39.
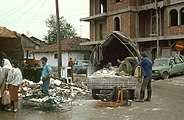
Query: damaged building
column 154, row 25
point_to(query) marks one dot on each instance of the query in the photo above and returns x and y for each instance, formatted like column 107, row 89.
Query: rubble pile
column 105, row 72
column 60, row 92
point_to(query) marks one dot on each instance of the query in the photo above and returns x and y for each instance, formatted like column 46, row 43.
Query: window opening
column 117, row 24
column 56, row 56
column 182, row 16
column 117, row 1
column 173, row 17
column 103, row 6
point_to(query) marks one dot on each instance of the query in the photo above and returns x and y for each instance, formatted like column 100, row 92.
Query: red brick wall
column 128, row 24
column 97, row 30
column 110, row 25
column 176, row 30
column 97, row 7
column 111, row 6
column 132, row 25
column 171, row 30
column 127, row 19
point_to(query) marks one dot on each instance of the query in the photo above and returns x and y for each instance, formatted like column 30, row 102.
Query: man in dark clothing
column 146, row 65
column 70, row 71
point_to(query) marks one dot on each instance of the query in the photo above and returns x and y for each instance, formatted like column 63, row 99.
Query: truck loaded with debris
column 11, row 44
column 116, row 50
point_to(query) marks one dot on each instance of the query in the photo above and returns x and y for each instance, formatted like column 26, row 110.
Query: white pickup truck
column 108, row 83
column 116, row 46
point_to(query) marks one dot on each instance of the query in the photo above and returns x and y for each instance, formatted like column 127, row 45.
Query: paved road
column 167, row 104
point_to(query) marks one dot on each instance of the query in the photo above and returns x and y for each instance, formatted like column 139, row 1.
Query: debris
column 59, row 93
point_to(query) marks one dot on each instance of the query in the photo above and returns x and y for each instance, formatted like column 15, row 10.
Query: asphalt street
column 167, row 104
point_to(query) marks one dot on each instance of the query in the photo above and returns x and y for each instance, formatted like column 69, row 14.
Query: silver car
column 81, row 66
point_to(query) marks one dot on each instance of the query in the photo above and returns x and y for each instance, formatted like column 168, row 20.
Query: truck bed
column 128, row 82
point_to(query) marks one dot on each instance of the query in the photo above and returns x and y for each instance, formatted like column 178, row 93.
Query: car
column 81, row 66
column 164, row 67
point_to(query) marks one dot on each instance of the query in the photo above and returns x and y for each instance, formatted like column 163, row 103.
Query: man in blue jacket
column 45, row 76
column 146, row 65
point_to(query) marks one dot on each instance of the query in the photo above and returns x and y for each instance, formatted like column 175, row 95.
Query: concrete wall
column 166, row 52
column 65, row 57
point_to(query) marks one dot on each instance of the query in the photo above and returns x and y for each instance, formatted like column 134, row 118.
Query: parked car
column 81, row 66
column 164, row 67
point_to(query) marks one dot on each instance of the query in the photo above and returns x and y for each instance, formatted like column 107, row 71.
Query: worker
column 146, row 66
column 124, row 66
column 45, row 76
column 70, row 71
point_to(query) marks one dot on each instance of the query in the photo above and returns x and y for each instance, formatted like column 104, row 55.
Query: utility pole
column 80, row 30
column 157, row 32
column 58, row 40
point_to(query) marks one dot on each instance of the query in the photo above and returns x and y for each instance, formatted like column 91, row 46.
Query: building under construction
column 155, row 25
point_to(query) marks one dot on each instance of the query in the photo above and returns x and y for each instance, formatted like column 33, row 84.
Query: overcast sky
column 28, row 16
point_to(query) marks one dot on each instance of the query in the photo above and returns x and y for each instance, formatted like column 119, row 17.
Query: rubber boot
column 149, row 92
column 141, row 97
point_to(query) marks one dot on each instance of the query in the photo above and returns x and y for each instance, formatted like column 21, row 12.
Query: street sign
column 179, row 46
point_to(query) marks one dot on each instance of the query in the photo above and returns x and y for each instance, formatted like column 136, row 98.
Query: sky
column 28, row 16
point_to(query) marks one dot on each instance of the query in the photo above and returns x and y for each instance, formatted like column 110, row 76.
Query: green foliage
column 67, row 31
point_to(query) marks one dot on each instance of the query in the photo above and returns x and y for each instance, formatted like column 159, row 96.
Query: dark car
column 81, row 66
column 164, row 67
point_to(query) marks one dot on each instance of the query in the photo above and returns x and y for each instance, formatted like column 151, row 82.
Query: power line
column 23, row 10
column 71, row 15
column 16, row 9
column 24, row 13
column 36, row 13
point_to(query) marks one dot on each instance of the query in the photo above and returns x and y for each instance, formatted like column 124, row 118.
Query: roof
column 38, row 40
column 23, row 35
column 72, row 44
column 6, row 33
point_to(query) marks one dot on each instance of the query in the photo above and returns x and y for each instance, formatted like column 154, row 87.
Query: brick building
column 138, row 20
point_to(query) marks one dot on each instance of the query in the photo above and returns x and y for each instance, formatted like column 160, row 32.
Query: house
column 31, row 42
column 38, row 41
column 70, row 48
column 155, row 25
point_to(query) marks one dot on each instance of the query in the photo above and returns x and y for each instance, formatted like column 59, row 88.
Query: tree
column 67, row 30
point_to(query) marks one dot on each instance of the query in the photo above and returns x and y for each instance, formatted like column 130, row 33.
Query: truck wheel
column 165, row 75
column 94, row 92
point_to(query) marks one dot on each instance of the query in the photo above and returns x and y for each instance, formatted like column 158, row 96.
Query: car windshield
column 85, row 62
column 82, row 63
column 161, row 63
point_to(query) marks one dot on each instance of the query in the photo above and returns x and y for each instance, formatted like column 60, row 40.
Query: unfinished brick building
column 138, row 20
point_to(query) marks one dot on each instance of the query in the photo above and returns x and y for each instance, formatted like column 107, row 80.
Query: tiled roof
column 72, row 44
column 6, row 33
